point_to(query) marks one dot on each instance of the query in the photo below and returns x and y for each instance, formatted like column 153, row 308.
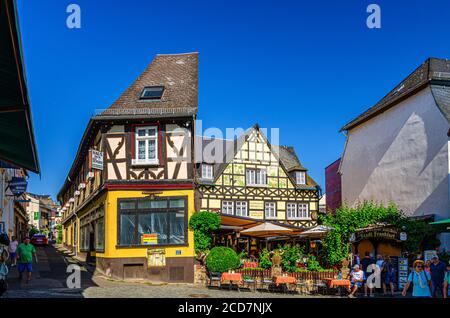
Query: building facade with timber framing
column 256, row 182
column 129, row 194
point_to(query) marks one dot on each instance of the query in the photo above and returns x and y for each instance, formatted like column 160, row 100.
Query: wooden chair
column 249, row 279
column 266, row 280
column 214, row 277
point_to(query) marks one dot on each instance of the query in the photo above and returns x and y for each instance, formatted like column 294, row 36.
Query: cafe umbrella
column 266, row 230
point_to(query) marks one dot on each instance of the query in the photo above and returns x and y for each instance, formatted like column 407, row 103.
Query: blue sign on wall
column 18, row 185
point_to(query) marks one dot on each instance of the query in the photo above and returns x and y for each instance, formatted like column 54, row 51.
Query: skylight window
column 152, row 93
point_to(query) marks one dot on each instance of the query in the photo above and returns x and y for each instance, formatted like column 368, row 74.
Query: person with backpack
column 421, row 281
column 387, row 275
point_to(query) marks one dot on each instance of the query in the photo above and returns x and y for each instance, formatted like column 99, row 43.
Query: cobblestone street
column 49, row 281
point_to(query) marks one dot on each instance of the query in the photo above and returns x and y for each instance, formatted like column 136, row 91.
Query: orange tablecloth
column 284, row 280
column 331, row 282
column 228, row 277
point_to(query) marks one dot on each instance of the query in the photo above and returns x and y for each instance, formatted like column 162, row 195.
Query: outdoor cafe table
column 285, row 280
column 337, row 283
column 232, row 278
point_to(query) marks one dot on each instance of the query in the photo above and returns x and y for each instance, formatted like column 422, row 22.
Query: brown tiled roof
column 286, row 154
column 432, row 71
column 178, row 73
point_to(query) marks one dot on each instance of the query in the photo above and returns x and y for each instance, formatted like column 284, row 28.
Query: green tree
column 336, row 245
column 203, row 224
column 221, row 259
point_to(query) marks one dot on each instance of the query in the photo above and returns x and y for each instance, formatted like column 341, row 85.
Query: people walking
column 380, row 261
column 437, row 269
column 421, row 281
column 12, row 248
column 25, row 252
column 387, row 275
column 365, row 264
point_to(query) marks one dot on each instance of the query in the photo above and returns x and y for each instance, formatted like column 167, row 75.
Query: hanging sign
column 96, row 159
column 18, row 185
column 403, row 236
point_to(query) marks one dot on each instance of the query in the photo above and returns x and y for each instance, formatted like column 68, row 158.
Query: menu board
column 402, row 272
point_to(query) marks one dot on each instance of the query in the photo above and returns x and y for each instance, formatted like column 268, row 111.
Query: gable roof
column 432, row 72
column 178, row 73
column 285, row 154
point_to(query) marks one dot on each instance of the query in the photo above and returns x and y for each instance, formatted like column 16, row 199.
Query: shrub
column 290, row 257
column 221, row 259
column 33, row 231
column 264, row 259
column 203, row 224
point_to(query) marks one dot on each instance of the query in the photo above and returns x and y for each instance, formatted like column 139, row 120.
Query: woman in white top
column 12, row 248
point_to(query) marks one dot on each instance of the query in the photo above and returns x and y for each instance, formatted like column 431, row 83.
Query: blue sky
column 306, row 67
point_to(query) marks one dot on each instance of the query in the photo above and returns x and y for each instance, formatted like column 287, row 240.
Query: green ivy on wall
column 203, row 224
column 336, row 245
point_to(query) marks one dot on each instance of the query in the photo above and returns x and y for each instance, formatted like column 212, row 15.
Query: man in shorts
column 25, row 252
column 357, row 279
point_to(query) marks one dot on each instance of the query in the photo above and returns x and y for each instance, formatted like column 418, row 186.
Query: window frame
column 308, row 212
column 232, row 207
column 274, row 210
column 255, row 172
column 300, row 180
column 145, row 162
column 135, row 212
column 242, row 204
column 209, row 166
column 142, row 97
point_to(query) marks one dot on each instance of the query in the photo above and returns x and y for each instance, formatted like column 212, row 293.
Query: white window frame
column 146, row 138
column 291, row 211
column 252, row 176
column 270, row 210
column 207, row 171
column 228, row 206
column 304, row 214
column 300, row 177
column 241, row 208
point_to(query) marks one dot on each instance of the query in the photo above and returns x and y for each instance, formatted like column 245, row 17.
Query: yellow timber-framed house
column 254, row 182
column 129, row 194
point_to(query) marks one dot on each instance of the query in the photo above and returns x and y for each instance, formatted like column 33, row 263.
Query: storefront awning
column 443, row 225
column 17, row 142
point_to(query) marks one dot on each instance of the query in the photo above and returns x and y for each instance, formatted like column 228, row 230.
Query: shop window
column 153, row 222
column 100, row 234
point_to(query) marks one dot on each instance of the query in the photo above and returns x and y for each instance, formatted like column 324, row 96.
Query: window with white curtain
column 146, row 147
column 227, row 207
column 303, row 211
column 270, row 210
column 207, row 171
column 256, row 177
column 300, row 177
column 241, row 208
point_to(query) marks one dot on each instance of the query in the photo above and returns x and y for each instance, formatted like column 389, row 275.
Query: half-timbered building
column 255, row 182
column 129, row 194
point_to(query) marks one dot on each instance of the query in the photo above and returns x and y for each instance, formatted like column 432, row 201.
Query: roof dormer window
column 300, row 177
column 152, row 93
